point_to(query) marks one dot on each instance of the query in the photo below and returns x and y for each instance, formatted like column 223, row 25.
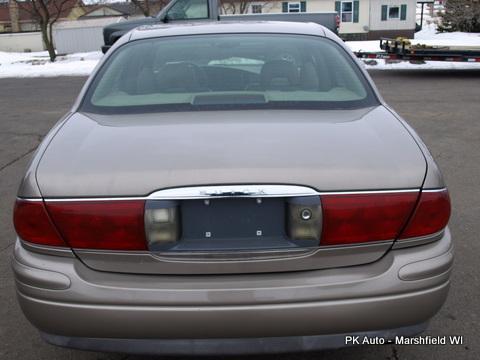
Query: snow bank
column 37, row 64
column 428, row 65
column 428, row 35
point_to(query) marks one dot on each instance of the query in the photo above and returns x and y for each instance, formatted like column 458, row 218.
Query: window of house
column 293, row 7
column 393, row 12
column 256, row 9
column 347, row 11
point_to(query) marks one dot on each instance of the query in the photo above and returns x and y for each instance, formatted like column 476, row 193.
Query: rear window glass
column 228, row 71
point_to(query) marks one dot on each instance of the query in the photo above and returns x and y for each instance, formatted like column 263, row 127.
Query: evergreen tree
column 460, row 15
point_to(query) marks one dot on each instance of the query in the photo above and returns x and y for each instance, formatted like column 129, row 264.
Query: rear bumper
column 80, row 307
column 245, row 346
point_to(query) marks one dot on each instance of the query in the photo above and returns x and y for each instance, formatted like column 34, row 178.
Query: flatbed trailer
column 403, row 49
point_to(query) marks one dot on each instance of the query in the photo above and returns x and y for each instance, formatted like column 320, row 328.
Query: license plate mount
column 233, row 223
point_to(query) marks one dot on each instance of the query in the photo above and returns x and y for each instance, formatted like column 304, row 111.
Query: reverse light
column 162, row 224
column 304, row 218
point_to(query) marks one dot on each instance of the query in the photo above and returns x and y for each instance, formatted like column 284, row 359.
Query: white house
column 359, row 19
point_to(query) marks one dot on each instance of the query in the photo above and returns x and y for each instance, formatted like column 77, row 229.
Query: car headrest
column 309, row 77
column 278, row 75
column 180, row 77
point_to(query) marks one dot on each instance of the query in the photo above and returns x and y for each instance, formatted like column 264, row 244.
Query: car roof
column 227, row 27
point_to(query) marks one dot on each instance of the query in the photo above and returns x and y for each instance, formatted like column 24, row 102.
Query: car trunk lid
column 137, row 156
column 133, row 155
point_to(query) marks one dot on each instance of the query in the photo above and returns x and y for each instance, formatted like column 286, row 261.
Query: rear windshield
column 228, row 71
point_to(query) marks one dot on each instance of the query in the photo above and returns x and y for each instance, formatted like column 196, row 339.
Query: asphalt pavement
column 443, row 106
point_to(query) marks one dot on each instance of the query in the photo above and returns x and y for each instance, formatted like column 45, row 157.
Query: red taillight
column 104, row 225
column 33, row 224
column 357, row 218
column 431, row 215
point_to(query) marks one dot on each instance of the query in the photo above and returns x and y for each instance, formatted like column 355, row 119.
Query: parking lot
column 443, row 106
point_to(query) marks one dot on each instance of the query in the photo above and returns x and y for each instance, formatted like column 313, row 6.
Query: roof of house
column 127, row 8
column 123, row 8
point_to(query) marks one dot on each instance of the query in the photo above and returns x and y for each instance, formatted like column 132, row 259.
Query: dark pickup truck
column 209, row 10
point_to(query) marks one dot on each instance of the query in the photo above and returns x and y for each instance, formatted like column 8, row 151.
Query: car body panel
column 238, row 27
column 246, row 262
column 138, row 154
column 227, row 346
column 198, row 306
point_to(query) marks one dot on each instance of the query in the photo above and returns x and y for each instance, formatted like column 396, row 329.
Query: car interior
column 224, row 65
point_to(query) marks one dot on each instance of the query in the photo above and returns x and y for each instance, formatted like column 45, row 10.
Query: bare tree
column 46, row 13
column 150, row 7
column 233, row 7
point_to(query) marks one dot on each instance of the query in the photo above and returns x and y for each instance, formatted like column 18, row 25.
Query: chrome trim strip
column 421, row 240
column 96, row 199
column 30, row 199
column 228, row 191
column 201, row 192
column 360, row 192
column 47, row 250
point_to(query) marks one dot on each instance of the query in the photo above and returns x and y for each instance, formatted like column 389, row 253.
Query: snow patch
column 37, row 64
column 427, row 65
column 429, row 36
